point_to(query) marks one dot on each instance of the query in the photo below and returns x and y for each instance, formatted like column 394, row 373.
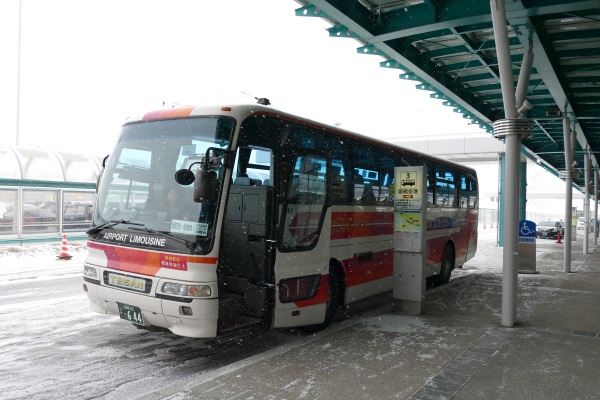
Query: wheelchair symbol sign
column 527, row 228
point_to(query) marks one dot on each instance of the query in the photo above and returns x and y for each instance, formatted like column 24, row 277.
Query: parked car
column 77, row 215
column 549, row 229
column 580, row 227
column 33, row 217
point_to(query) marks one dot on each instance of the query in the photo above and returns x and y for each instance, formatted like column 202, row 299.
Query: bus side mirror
column 184, row 177
column 205, row 186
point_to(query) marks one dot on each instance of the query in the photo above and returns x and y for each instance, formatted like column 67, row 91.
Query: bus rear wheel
column 447, row 264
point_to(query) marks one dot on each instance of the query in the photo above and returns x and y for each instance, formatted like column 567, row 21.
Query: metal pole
column 596, row 206
column 522, row 189
column 568, row 193
column 18, row 116
column 500, row 228
column 524, row 75
column 586, row 201
column 513, row 155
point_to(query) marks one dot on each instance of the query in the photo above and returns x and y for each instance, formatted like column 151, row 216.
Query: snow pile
column 38, row 260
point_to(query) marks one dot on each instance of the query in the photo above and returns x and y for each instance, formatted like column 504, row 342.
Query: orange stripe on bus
column 146, row 262
column 172, row 112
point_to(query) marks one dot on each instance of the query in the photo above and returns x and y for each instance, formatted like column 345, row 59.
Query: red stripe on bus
column 369, row 266
column 354, row 224
column 146, row 262
column 172, row 112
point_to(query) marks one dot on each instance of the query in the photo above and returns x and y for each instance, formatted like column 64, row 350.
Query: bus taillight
column 296, row 289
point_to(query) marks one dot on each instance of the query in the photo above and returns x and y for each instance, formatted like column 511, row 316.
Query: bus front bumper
column 169, row 314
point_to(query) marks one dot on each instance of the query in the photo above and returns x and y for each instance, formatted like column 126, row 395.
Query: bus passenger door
column 301, row 266
column 245, row 261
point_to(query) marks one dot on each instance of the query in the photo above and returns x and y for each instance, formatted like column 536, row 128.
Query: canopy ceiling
column 447, row 47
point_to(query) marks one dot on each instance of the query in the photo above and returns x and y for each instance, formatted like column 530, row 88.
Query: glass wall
column 8, row 202
column 77, row 210
column 39, row 213
column 44, row 211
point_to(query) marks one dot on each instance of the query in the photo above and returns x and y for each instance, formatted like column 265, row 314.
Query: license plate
column 131, row 313
column 126, row 282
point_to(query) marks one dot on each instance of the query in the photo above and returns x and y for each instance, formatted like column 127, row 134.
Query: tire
column 447, row 264
column 333, row 303
column 333, row 296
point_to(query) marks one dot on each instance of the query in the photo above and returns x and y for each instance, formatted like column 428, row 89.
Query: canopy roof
column 447, row 47
column 30, row 164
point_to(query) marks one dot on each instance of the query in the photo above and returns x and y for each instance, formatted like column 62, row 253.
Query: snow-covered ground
column 53, row 346
column 39, row 261
column 488, row 257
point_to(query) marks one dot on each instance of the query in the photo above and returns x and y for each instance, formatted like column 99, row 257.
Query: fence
column 488, row 217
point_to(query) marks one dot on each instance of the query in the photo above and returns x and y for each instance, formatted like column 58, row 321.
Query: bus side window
column 464, row 192
column 338, row 183
column 358, row 187
column 430, row 185
column 472, row 193
column 445, row 188
column 305, row 203
column 253, row 166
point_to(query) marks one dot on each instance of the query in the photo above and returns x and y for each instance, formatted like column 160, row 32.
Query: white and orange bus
column 211, row 218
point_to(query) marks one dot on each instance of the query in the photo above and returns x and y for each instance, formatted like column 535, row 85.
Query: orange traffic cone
column 64, row 250
column 558, row 237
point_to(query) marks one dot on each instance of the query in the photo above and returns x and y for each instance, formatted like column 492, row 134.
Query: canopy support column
column 511, row 129
column 595, row 206
column 568, row 193
column 586, row 202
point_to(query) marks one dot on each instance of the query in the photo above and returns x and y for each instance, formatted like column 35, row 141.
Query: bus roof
column 242, row 111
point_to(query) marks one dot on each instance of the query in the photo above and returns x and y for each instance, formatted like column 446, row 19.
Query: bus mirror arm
column 228, row 158
column 101, row 173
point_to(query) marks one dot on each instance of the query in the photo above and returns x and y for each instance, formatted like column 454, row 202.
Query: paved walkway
column 455, row 349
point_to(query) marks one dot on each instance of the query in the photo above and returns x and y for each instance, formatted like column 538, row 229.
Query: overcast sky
column 88, row 64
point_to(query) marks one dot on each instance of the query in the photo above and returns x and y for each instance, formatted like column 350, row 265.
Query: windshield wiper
column 188, row 243
column 108, row 224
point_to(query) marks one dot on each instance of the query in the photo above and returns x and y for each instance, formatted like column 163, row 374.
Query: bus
column 208, row 219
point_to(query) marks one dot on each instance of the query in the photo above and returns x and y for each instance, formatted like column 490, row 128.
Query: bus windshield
column 138, row 187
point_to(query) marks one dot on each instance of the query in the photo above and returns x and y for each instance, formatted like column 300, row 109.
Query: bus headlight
column 90, row 272
column 178, row 289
